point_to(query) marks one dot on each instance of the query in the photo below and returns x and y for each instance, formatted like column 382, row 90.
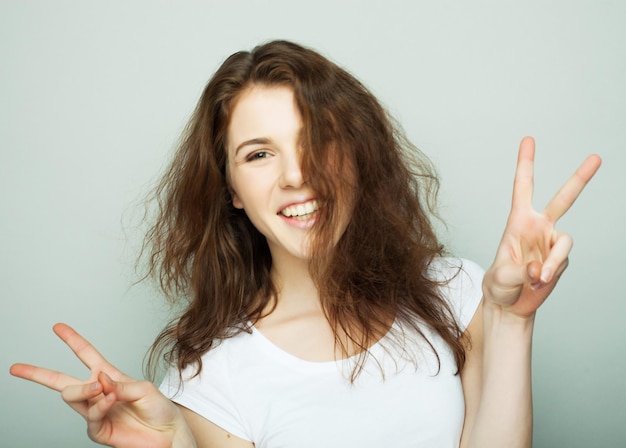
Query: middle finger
column 568, row 193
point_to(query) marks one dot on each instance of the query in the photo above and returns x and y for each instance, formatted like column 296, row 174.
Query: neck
column 298, row 324
column 296, row 289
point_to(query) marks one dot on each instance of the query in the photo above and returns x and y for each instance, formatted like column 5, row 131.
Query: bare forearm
column 504, row 415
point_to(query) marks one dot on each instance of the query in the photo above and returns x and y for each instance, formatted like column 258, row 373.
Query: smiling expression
column 264, row 169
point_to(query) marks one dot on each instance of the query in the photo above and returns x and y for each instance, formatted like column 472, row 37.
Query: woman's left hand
column 532, row 254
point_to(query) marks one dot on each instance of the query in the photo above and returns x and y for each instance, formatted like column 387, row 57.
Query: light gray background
column 93, row 96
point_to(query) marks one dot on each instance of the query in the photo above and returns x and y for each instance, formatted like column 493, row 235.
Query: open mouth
column 301, row 212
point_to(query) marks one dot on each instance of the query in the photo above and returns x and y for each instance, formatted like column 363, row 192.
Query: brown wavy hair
column 205, row 252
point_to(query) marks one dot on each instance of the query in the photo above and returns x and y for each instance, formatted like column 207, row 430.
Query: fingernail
column 546, row 273
column 534, row 286
column 93, row 387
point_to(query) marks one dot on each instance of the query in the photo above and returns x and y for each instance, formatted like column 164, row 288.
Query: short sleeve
column 208, row 394
column 463, row 290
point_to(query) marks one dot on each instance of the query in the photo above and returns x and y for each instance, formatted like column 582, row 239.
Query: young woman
column 321, row 312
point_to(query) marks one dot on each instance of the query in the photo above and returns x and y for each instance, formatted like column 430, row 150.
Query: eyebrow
column 254, row 141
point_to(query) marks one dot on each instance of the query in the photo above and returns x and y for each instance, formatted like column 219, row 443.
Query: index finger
column 565, row 197
column 46, row 377
column 86, row 352
column 524, row 174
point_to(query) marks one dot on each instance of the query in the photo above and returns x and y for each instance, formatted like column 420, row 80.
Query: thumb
column 108, row 385
column 502, row 280
column 512, row 275
column 533, row 272
column 125, row 391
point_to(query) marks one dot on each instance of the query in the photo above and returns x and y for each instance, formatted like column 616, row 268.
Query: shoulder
column 226, row 355
column 211, row 394
column 460, row 285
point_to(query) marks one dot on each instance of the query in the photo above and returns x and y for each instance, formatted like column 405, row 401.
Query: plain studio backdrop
column 93, row 97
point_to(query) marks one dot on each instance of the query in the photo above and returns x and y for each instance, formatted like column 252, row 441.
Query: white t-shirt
column 258, row 392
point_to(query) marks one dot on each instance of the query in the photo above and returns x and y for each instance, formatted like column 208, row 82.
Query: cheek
column 244, row 193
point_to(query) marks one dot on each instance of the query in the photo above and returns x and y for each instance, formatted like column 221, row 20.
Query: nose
column 291, row 173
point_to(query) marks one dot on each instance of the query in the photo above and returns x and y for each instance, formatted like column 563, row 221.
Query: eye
column 258, row 155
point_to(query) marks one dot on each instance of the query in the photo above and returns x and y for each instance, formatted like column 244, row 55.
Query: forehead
column 263, row 112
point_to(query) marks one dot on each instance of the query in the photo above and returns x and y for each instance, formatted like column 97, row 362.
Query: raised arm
column 531, row 257
column 119, row 410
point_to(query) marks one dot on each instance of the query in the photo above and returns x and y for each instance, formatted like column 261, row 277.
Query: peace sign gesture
column 119, row 410
column 532, row 254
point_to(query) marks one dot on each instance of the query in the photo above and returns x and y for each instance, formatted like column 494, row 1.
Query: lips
column 301, row 211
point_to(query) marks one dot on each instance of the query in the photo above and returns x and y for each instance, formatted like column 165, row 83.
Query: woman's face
column 264, row 169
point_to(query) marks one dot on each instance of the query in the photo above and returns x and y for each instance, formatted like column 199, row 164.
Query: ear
column 235, row 199
column 233, row 194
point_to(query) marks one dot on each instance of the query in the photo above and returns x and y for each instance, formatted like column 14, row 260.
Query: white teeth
column 294, row 211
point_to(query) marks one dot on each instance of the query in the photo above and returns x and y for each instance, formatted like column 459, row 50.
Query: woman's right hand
column 120, row 411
